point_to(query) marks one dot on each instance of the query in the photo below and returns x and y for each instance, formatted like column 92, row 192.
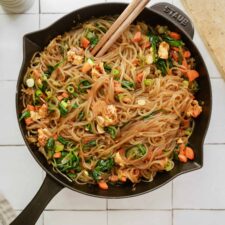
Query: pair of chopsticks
column 119, row 26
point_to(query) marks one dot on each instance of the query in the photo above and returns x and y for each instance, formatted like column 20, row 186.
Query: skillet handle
column 32, row 212
column 175, row 15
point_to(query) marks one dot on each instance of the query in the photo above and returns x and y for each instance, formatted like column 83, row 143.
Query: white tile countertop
column 196, row 198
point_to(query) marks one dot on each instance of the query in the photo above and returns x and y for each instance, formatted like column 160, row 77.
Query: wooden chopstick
column 122, row 27
column 129, row 9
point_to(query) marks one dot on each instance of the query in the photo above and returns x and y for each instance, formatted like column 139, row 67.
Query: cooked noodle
column 113, row 118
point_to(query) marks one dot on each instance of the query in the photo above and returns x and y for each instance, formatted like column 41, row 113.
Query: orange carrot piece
column 28, row 121
column 55, row 136
column 57, row 155
column 60, row 97
column 137, row 37
column 86, row 67
column 65, row 95
column 114, row 178
column 117, row 87
column 121, row 151
column 146, row 45
column 189, row 153
column 192, row 74
column 30, row 107
column 123, row 179
column 84, row 42
column 103, row 185
column 139, row 77
column 184, row 63
column 182, row 158
column 175, row 49
column 174, row 55
column 174, row 35
column 187, row 54
column 181, row 148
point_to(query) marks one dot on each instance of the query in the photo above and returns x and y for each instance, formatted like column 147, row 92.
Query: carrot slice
column 65, row 95
column 123, row 179
column 189, row 153
column 137, row 37
column 175, row 49
column 57, row 155
column 146, row 45
column 184, row 63
column 84, row 42
column 30, row 107
column 114, row 178
column 139, row 77
column 182, row 158
column 174, row 35
column 86, row 67
column 192, row 74
column 28, row 121
column 187, row 54
column 103, row 185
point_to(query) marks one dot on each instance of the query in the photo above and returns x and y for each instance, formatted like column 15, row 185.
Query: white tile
column 33, row 9
column 199, row 217
column 70, row 200
column 139, row 217
column 48, row 19
column 9, row 131
column 59, row 6
column 40, row 220
column 205, row 188
column 216, row 128
column 75, row 217
column 158, row 199
column 20, row 174
column 13, row 27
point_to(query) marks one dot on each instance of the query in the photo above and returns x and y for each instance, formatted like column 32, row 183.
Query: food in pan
column 119, row 118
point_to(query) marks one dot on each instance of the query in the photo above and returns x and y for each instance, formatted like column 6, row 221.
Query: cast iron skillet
column 162, row 13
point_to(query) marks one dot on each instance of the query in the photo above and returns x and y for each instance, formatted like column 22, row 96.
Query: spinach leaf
column 161, row 65
column 127, row 84
column 173, row 42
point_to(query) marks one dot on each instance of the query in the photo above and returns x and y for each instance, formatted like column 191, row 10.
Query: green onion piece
column 112, row 131
column 59, row 147
column 115, row 72
column 186, row 83
column 136, row 151
column 63, row 108
column 50, row 144
column 70, row 89
column 188, row 131
column 148, row 82
column 24, row 115
column 169, row 165
column 127, row 84
column 194, row 86
column 38, row 93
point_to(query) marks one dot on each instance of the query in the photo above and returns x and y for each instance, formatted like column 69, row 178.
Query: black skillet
column 163, row 14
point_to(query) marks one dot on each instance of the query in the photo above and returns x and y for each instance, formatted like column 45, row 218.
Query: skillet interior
column 36, row 41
